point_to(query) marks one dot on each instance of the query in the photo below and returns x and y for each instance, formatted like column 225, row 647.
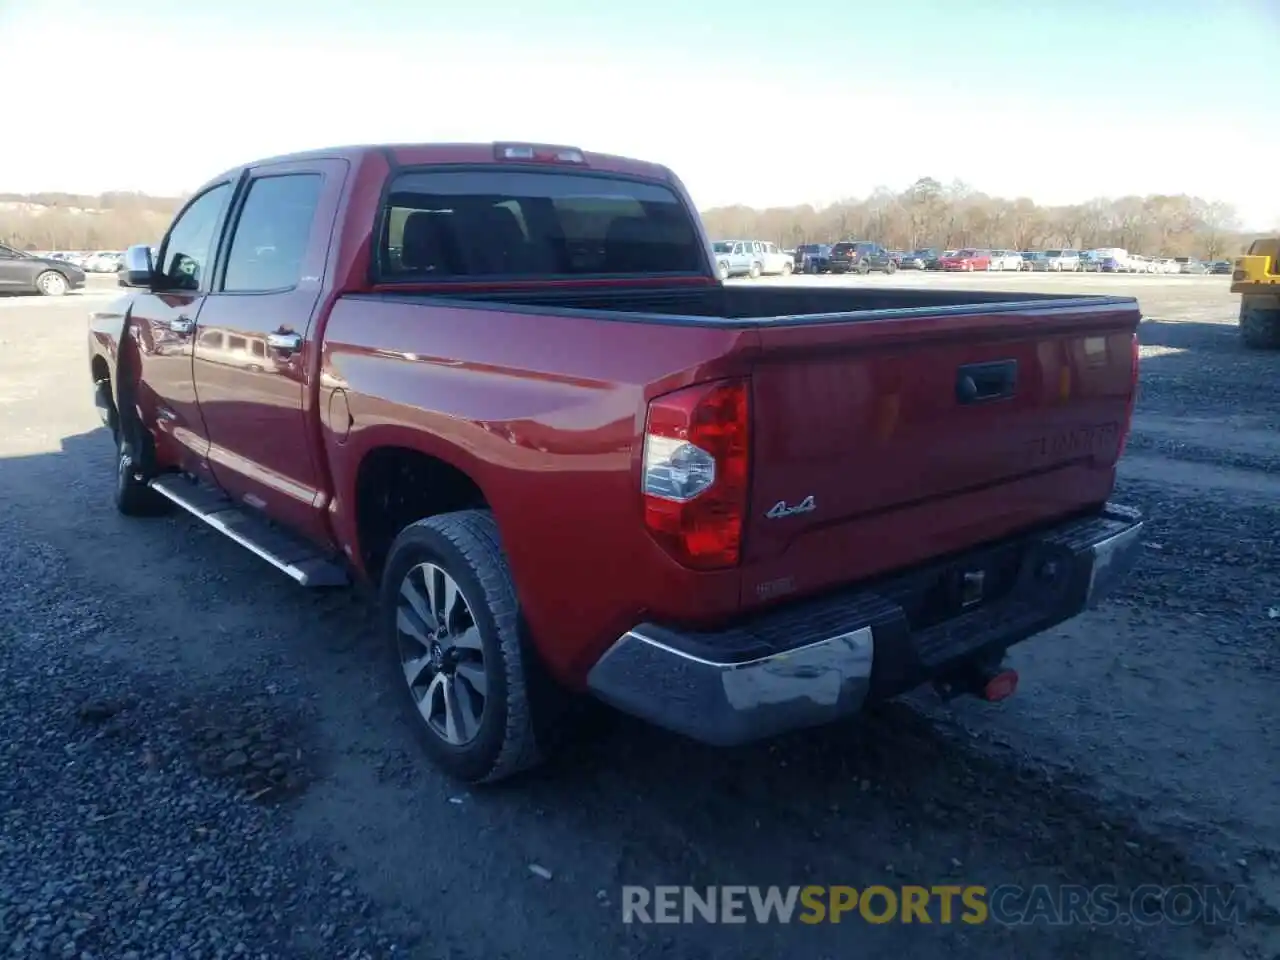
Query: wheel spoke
column 415, row 668
column 444, row 596
column 464, row 709
column 451, row 712
column 473, row 677
column 468, row 639
column 421, row 605
column 408, row 622
column 432, row 702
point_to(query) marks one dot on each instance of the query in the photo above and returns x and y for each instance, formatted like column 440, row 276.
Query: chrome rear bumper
column 822, row 659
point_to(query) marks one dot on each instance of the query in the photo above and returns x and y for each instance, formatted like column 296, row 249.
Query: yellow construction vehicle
column 1256, row 277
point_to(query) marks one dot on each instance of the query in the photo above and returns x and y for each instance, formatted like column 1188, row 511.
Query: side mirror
column 138, row 270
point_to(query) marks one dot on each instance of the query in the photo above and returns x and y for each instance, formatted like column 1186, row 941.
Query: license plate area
column 948, row 590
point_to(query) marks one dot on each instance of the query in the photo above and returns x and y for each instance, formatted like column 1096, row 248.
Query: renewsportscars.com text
column 1009, row 905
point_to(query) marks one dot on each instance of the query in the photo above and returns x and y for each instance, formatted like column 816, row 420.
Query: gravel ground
column 202, row 760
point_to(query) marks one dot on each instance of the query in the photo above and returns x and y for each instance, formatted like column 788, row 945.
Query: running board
column 288, row 554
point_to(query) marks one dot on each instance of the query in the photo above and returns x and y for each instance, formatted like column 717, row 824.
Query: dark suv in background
column 813, row 257
column 862, row 256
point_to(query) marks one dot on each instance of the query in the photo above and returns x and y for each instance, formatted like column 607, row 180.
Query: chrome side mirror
column 138, row 269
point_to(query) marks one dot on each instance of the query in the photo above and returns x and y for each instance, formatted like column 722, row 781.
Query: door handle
column 287, row 342
column 982, row 382
column 182, row 325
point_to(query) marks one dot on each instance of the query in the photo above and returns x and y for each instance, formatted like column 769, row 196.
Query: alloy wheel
column 441, row 654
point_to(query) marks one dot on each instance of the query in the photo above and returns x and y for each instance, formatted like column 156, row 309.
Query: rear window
column 1053, row 253
column 508, row 223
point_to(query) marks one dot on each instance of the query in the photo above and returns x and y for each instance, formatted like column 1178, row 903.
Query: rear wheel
column 754, row 272
column 891, row 268
column 1259, row 328
column 786, row 269
column 452, row 620
column 723, row 269
column 51, row 284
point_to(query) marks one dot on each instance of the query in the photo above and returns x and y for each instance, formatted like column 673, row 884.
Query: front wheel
column 786, row 269
column 891, row 268
column 754, row 272
column 451, row 617
column 723, row 269
column 51, row 284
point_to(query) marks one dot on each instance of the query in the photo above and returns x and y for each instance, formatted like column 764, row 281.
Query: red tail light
column 695, row 472
column 1133, row 398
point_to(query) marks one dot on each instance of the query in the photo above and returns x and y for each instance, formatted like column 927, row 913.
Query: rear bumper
column 823, row 659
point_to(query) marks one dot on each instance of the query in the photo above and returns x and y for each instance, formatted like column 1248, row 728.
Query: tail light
column 1127, row 426
column 695, row 472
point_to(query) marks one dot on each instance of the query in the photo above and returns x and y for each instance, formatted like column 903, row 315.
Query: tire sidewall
column 422, row 543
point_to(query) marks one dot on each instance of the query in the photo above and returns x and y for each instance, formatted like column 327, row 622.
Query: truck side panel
column 544, row 413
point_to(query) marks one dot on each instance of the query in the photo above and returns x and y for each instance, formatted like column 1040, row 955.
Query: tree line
column 926, row 214
column 66, row 221
column 953, row 216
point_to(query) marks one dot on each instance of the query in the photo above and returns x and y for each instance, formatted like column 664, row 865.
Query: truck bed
column 735, row 303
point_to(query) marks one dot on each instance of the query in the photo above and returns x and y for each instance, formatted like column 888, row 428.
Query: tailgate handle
column 981, row 382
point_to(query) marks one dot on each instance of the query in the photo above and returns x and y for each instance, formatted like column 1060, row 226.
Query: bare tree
column 926, row 214
column 930, row 214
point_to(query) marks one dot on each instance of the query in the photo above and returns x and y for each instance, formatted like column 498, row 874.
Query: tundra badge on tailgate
column 780, row 509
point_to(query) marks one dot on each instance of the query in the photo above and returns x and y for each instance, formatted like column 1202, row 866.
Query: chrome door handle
column 181, row 325
column 288, row 342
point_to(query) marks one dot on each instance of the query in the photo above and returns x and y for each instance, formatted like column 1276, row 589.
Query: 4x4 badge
column 780, row 509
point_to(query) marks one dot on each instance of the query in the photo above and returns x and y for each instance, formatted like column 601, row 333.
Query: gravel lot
column 202, row 760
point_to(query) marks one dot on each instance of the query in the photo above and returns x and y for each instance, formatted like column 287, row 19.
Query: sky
column 753, row 102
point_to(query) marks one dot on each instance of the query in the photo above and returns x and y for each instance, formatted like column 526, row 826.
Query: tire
column 786, row 269
column 723, row 269
column 1259, row 328
column 864, row 268
column 52, row 284
column 891, row 268
column 754, row 272
column 463, row 547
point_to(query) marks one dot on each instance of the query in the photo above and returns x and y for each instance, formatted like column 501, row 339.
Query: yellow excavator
column 1256, row 277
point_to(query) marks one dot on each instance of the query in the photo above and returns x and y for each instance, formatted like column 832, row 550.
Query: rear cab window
column 505, row 223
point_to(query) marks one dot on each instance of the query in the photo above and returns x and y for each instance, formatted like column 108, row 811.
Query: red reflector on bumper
column 1000, row 687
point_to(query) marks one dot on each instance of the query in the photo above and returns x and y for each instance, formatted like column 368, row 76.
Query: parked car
column 737, row 258
column 776, row 262
column 967, row 260
column 751, row 258
column 860, row 256
column 23, row 273
column 1190, row 265
column 766, row 582
column 1091, row 261
column 1028, row 259
column 918, row 259
column 1005, row 260
column 1220, row 267
column 813, row 257
column 104, row 261
column 1057, row 261
column 936, row 263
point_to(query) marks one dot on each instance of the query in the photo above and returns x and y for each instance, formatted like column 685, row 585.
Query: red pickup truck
column 504, row 386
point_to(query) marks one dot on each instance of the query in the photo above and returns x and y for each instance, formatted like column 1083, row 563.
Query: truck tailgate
column 881, row 443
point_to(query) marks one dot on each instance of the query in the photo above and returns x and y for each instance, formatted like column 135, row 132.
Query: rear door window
column 453, row 224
